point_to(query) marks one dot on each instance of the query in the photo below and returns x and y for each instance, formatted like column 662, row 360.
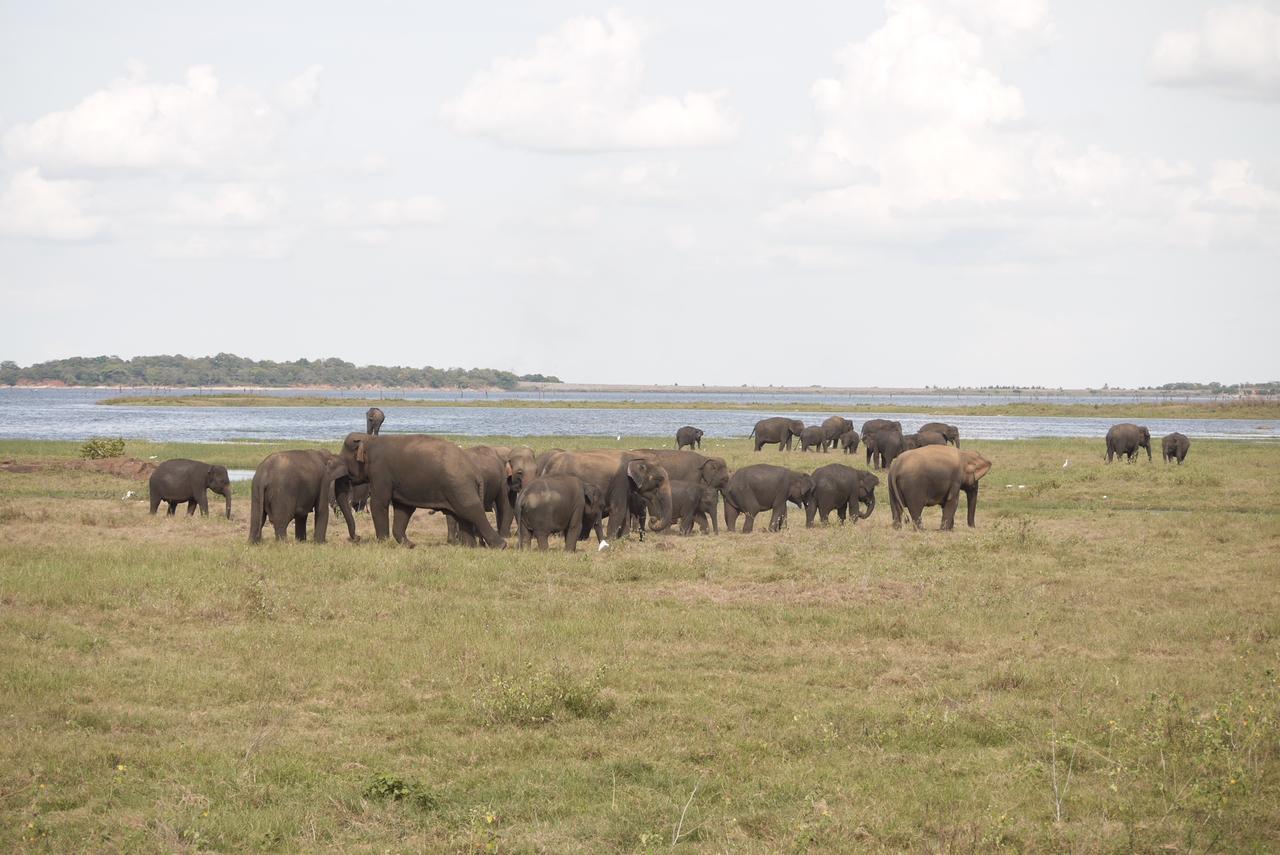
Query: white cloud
column 52, row 210
column 374, row 224
column 1236, row 49
column 580, row 89
column 413, row 211
column 229, row 205
column 642, row 180
column 138, row 124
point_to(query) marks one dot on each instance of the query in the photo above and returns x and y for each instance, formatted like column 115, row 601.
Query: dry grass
column 168, row 687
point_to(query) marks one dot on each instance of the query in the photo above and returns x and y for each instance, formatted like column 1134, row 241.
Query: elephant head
column 714, row 473
column 355, row 454
column 219, row 482
column 592, row 509
column 973, row 467
column 335, row 487
column 867, row 484
column 799, row 489
column 797, row 427
column 1145, row 442
column 650, row 481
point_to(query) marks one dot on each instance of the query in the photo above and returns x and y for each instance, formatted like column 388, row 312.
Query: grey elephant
column 776, row 430
column 621, row 476
column 869, row 429
column 764, row 487
column 813, row 437
column 494, row 469
column 290, row 485
column 1175, row 447
column 690, row 436
column 883, row 446
column 692, row 503
column 407, row 472
column 842, row 489
column 849, row 441
column 950, row 432
column 921, row 438
column 690, row 467
column 373, row 420
column 935, row 475
column 833, row 428
column 1125, row 439
column 180, row 480
column 522, row 467
column 560, row 504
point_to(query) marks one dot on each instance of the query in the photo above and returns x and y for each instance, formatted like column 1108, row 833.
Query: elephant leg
column 575, row 528
column 400, row 524
column 281, row 527
column 949, row 507
column 748, row 522
column 543, row 545
column 468, row 506
column 300, row 527
column 703, row 525
column 686, row 525
column 778, row 517
column 173, row 507
column 759, row 443
column 380, row 510
column 203, row 503
column 467, row 534
column 730, row 516
column 452, row 535
column 191, row 507
column 155, row 501
column 503, row 514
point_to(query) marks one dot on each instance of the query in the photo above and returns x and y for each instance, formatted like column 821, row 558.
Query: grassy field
column 1152, row 410
column 1095, row 667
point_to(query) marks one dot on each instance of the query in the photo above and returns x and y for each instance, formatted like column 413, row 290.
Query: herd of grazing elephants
column 610, row 492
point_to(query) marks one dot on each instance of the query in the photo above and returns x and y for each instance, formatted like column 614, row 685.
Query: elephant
column 935, row 475
column 1125, row 439
column 849, row 441
column 834, row 428
column 922, row 438
column 288, row 485
column 522, row 468
column 181, row 480
column 558, row 503
column 409, row 471
column 692, row 503
column 618, row 474
column 493, row 468
column 690, row 466
column 760, row 487
column 842, row 489
column 778, row 430
column 883, row 446
column 1174, row 447
column 690, row 436
column 540, row 462
column 950, row 432
column 869, row 429
column 373, row 421
column 813, row 437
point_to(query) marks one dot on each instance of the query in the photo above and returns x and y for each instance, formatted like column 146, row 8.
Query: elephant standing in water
column 289, row 485
column 776, row 430
column 935, row 475
column 373, row 421
column 842, row 489
column 407, row 472
column 1174, row 447
column 764, row 487
column 1125, row 439
column 180, row 480
column 690, row 436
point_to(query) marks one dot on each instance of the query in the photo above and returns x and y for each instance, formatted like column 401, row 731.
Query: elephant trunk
column 227, row 492
column 870, row 502
column 661, row 505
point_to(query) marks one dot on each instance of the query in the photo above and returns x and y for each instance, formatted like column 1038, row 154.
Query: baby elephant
column 694, row 503
column 558, row 504
column 849, row 441
column 690, row 436
column 1174, row 447
column 289, row 485
column 764, row 487
column 176, row 481
column 842, row 489
column 813, row 437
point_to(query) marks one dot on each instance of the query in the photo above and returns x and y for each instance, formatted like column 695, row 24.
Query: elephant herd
column 1124, row 440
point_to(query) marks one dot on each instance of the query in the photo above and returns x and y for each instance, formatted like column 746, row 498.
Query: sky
column 908, row 193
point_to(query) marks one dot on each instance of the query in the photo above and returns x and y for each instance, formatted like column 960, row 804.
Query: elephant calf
column 813, row 437
column 849, row 441
column 289, row 485
column 692, row 503
column 760, row 487
column 935, row 475
column 558, row 504
column 180, row 480
column 373, row 420
column 1174, row 447
column 842, row 489
column 922, row 438
column 690, row 436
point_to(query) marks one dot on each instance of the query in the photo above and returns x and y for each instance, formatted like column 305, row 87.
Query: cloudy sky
column 907, row 193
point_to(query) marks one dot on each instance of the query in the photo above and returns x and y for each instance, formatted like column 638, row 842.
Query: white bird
column 1064, row 463
column 1022, row 486
column 604, row 544
column 619, row 437
column 1104, row 497
column 128, row 495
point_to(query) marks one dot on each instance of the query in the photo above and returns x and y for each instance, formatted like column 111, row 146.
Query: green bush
column 102, row 446
column 392, row 788
column 535, row 698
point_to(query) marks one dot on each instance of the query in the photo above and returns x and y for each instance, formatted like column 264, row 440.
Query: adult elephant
column 373, row 420
column 779, row 430
column 950, row 432
column 1125, row 439
column 181, row 480
column 522, row 467
column 290, row 485
column 493, row 469
column 813, row 437
column 690, row 467
column 869, row 429
column 540, row 462
column 690, row 436
column 935, row 475
column 833, row 428
column 764, row 487
column 407, row 472
column 1175, row 447
column 883, row 446
column 842, row 489
column 921, row 438
column 620, row 475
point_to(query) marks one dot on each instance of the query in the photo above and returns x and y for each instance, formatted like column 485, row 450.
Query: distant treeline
column 1215, row 388
column 227, row 369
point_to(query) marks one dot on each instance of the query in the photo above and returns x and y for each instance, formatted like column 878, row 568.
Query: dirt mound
column 121, row 467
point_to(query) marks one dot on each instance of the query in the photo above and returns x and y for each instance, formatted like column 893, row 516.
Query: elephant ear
column 870, row 480
column 335, row 468
column 637, row 470
column 975, row 467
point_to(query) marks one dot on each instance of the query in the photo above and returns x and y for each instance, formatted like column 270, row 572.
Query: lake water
column 73, row 414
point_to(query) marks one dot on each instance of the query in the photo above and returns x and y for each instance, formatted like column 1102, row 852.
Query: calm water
column 73, row 414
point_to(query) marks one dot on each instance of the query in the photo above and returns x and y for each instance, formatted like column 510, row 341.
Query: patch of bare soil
column 10, row 465
column 121, row 467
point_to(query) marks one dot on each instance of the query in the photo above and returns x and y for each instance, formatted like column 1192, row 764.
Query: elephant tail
column 894, row 489
column 257, row 508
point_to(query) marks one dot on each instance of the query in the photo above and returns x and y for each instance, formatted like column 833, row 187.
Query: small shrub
column 393, row 788
column 100, row 447
column 535, row 698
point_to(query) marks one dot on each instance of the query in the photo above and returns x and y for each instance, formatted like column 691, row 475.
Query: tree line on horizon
column 227, row 369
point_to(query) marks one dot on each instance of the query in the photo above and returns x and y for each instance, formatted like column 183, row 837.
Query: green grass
column 1113, row 629
column 1152, row 410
